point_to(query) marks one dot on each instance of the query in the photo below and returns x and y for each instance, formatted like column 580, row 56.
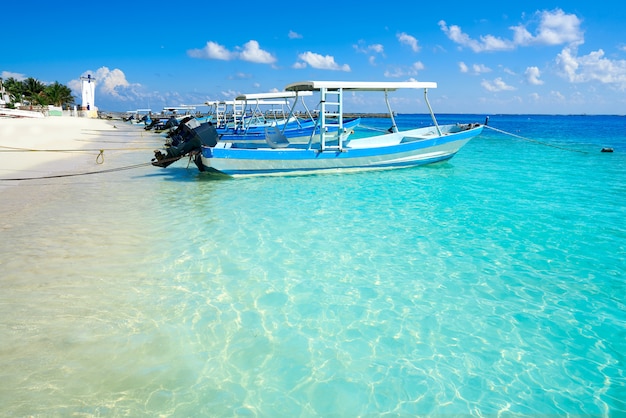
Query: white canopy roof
column 276, row 102
column 182, row 107
column 139, row 110
column 360, row 85
column 272, row 95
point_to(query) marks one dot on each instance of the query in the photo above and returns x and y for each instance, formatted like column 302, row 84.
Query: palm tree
column 33, row 89
column 58, row 94
column 15, row 89
column 36, row 92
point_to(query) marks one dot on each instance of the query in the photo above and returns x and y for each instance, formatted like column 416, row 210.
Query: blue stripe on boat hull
column 250, row 162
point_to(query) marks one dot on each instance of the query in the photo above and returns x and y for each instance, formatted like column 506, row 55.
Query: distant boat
column 244, row 122
column 253, row 112
column 170, row 117
column 250, row 114
column 138, row 116
column 338, row 148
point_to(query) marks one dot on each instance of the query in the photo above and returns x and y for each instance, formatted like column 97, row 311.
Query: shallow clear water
column 490, row 284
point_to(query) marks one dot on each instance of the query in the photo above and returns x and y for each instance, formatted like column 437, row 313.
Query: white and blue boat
column 337, row 148
column 251, row 113
column 252, row 117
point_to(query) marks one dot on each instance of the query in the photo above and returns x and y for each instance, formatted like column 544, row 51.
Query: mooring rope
column 535, row 141
column 15, row 149
column 99, row 157
column 110, row 170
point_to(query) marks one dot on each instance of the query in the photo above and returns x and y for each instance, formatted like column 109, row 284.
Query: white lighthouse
column 88, row 86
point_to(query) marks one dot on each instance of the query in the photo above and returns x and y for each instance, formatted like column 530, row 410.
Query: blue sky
column 488, row 58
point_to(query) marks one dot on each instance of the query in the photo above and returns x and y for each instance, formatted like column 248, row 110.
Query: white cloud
column 554, row 28
column 366, row 49
column 409, row 40
column 558, row 28
column 378, row 48
column 111, row 81
column 591, row 67
column 17, row 76
column 486, row 43
column 294, row 35
column 496, row 85
column 212, row 50
column 321, row 62
column 229, row 94
column 557, row 95
column 394, row 73
column 417, row 66
column 398, row 72
column 476, row 68
column 373, row 49
column 240, row 76
column 480, row 69
column 250, row 52
column 532, row 76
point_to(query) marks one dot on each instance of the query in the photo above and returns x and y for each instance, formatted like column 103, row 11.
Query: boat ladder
column 220, row 114
column 238, row 108
column 331, row 115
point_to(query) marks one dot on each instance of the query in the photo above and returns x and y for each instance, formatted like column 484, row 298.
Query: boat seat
column 275, row 138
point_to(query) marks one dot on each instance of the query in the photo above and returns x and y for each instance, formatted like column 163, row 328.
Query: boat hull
column 398, row 151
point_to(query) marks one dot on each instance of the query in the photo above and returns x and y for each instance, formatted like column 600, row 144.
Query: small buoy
column 606, row 150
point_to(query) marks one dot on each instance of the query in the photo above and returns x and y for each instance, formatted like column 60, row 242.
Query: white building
column 88, row 87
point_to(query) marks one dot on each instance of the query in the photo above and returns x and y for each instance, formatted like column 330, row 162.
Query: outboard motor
column 191, row 136
column 177, row 135
column 207, row 134
column 172, row 122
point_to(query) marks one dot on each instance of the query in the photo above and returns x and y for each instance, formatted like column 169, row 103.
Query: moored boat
column 333, row 145
column 342, row 151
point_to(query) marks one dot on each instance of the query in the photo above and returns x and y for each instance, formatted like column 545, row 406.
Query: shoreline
column 36, row 148
column 39, row 156
column 27, row 144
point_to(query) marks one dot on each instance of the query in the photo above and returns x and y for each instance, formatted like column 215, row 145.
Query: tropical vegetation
column 33, row 92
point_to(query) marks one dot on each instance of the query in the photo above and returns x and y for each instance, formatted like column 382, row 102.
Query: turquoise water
column 489, row 285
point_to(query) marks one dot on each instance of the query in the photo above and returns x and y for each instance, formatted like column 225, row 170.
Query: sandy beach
column 35, row 147
column 39, row 155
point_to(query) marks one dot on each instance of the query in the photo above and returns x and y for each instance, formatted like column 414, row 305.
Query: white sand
column 54, row 151
column 26, row 143
column 36, row 147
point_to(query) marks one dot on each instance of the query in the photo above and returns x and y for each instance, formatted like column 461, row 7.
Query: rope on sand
column 99, row 157
column 110, row 170
column 15, row 149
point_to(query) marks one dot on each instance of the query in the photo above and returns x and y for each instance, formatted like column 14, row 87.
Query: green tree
column 36, row 92
column 58, row 94
column 15, row 89
column 33, row 90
